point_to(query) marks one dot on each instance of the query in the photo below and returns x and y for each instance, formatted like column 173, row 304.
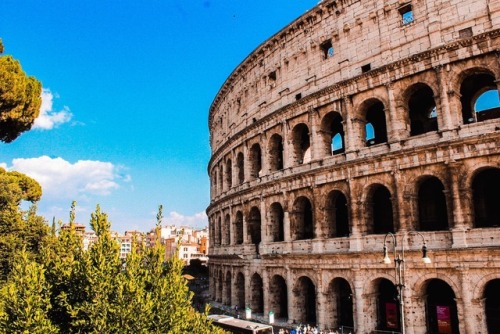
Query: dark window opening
column 381, row 211
column 240, row 290
column 226, row 231
column 298, row 96
column 254, row 226
column 492, row 305
column 278, row 297
column 366, row 68
column 486, row 194
column 388, row 311
column 432, row 212
column 238, row 228
column 301, row 144
column 422, row 110
column 277, row 222
column 406, row 13
column 306, row 300
column 441, row 310
column 376, row 129
column 275, row 153
column 337, row 215
column 272, row 76
column 327, row 48
column 303, row 215
column 240, row 163
column 229, row 174
column 257, row 300
column 255, row 161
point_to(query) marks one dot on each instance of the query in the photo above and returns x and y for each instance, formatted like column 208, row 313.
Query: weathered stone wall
column 304, row 194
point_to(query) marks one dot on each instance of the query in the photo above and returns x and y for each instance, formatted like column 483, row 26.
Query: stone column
column 290, row 296
column 469, row 312
column 443, row 112
column 320, row 301
column 396, row 128
column 359, row 303
column 315, row 136
column 350, row 144
column 397, row 198
column 458, row 229
column 356, row 220
column 248, row 290
column 265, row 292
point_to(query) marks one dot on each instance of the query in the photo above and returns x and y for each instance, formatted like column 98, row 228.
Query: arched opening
column 221, row 179
column 275, row 152
column 301, row 144
column 380, row 215
column 227, row 289
column 278, row 297
column 441, row 308
column 492, row 305
column 218, row 231
column 337, row 216
column 388, row 315
column 229, row 174
column 240, row 290
column 257, row 300
column 240, row 165
column 479, row 98
column 375, row 128
column 422, row 110
column 255, row 161
column 238, row 228
column 254, row 225
column 432, row 212
column 276, row 217
column 332, row 130
column 226, row 230
column 220, row 286
column 486, row 192
column 339, row 306
column 305, row 297
column 303, row 227
column 214, row 182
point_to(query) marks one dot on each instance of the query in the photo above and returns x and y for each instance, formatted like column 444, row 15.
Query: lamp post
column 399, row 268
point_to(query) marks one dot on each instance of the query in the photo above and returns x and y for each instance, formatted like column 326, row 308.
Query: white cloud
column 48, row 118
column 197, row 220
column 61, row 179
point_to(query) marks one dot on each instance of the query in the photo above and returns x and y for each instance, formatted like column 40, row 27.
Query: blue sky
column 127, row 88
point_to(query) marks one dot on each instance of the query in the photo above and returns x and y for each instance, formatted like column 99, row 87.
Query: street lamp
column 399, row 267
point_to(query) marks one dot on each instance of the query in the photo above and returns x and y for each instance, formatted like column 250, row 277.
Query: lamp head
column 387, row 259
column 425, row 258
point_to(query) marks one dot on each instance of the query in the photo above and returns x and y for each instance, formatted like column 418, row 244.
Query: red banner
column 391, row 315
column 444, row 319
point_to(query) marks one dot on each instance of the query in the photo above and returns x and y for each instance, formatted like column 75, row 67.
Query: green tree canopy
column 20, row 98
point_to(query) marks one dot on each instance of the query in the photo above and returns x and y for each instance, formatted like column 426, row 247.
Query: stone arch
column 229, row 174
column 373, row 112
column 337, row 215
column 255, row 161
column 492, row 305
column 257, row 298
column 227, row 289
column 421, row 107
column 303, row 219
column 278, row 297
column 381, row 303
column 239, row 287
column 275, row 152
column 276, row 217
column 339, row 307
column 485, row 189
column 379, row 212
column 226, row 231
column 431, row 203
column 305, row 300
column 301, row 144
column 254, row 225
column 440, row 305
column 221, row 178
column 240, row 167
column 332, row 131
column 474, row 83
column 238, row 228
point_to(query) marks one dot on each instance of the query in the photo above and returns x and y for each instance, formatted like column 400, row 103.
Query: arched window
column 441, row 307
column 432, row 212
column 229, row 174
column 486, row 194
column 337, row 216
column 301, row 144
column 275, row 152
column 479, row 98
column 333, row 134
column 375, row 128
column 238, row 228
column 278, row 297
column 226, row 231
column 255, row 161
column 303, row 227
column 257, row 300
column 221, row 178
column 254, row 225
column 492, row 305
column 380, row 214
column 218, row 232
column 276, row 216
column 305, row 306
column 340, row 304
column 240, row 164
column 240, row 290
column 227, row 289
column 422, row 110
column 388, row 317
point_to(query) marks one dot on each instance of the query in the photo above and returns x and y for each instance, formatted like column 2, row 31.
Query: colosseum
column 356, row 142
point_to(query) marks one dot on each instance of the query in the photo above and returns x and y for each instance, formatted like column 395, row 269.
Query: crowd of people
column 307, row 329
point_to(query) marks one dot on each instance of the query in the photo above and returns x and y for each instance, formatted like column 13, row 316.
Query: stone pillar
column 265, row 292
column 444, row 116
column 397, row 198
column 286, row 146
column 320, row 301
column 244, row 226
column 356, row 218
column 248, row 289
column 469, row 312
column 396, row 128
column 458, row 229
column 349, row 133
column 359, row 303
column 315, row 135
column 290, row 296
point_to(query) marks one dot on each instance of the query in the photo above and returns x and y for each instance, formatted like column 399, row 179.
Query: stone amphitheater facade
column 363, row 124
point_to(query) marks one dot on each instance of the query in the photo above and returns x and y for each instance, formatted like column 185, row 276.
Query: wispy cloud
column 62, row 179
column 197, row 220
column 48, row 118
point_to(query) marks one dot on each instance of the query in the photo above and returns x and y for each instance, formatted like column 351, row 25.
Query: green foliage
column 18, row 229
column 95, row 291
column 20, row 99
column 25, row 299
